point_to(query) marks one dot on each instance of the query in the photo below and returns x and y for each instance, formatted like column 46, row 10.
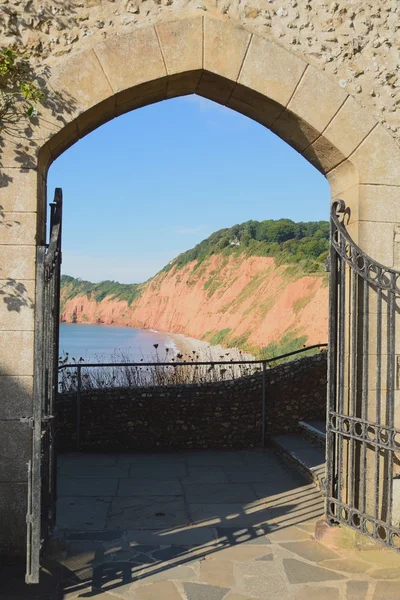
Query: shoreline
column 179, row 343
column 205, row 352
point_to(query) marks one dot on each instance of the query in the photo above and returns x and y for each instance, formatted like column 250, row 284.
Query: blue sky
column 154, row 182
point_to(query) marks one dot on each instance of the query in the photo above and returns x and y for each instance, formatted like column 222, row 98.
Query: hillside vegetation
column 259, row 286
column 72, row 287
column 288, row 242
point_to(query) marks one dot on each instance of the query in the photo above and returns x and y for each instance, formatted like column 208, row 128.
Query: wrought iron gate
column 363, row 443
column 42, row 467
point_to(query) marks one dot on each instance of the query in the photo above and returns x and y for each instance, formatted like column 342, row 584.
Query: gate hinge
column 31, row 420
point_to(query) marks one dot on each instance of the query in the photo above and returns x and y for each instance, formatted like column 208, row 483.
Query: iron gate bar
column 34, row 465
column 360, row 490
column 364, row 401
column 42, row 467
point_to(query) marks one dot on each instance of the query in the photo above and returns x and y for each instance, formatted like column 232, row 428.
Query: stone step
column 307, row 458
column 314, row 431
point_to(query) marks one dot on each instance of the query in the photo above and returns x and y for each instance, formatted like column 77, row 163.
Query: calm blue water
column 100, row 343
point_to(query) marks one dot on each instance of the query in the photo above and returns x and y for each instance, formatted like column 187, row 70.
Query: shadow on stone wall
column 22, row 136
column 15, row 452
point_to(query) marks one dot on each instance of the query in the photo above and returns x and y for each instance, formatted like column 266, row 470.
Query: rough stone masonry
column 356, row 41
column 226, row 414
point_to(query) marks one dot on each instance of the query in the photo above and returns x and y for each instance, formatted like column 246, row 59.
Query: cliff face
column 246, row 302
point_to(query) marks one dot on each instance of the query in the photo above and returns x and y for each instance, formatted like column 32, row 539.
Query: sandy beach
column 203, row 351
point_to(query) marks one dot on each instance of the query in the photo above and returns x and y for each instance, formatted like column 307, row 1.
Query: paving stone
column 248, row 475
column 347, row 565
column 181, row 573
column 142, row 459
column 104, row 535
column 267, row 557
column 150, row 512
column 98, row 596
column 85, row 590
column 217, row 572
column 156, row 471
column 286, row 484
column 113, row 556
column 382, row 556
column 386, row 590
column 115, row 546
column 389, row 573
column 241, row 552
column 203, row 591
column 94, row 471
column 78, row 458
column 266, row 581
column 215, row 459
column 298, row 571
column 234, row 596
column 163, row 590
column 286, row 534
column 85, row 549
column 111, row 575
column 72, row 587
column 308, row 526
column 310, row 550
column 68, row 486
column 356, row 590
column 189, row 536
column 142, row 559
column 292, row 490
column 228, row 514
column 309, row 592
column 166, row 554
column 150, row 487
column 201, row 474
column 221, row 493
column 144, row 547
column 262, row 540
column 240, row 535
column 78, row 513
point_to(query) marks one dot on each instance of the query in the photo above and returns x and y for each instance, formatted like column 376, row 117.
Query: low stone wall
column 225, row 414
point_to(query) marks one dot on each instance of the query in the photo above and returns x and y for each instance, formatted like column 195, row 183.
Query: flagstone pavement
column 196, row 526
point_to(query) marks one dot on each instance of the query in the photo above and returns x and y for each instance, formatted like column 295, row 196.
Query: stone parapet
column 226, row 414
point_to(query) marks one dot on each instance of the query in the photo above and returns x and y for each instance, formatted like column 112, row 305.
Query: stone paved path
column 197, row 526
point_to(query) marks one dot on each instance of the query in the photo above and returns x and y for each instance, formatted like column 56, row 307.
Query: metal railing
column 264, row 363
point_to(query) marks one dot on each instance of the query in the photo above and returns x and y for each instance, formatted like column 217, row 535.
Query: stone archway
column 218, row 60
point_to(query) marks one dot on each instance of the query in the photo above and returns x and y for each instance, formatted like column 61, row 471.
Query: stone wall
column 354, row 41
column 214, row 415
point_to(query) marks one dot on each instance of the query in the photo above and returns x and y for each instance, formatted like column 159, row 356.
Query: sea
column 102, row 343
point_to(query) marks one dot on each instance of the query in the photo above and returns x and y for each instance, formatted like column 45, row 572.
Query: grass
column 266, row 306
column 288, row 343
column 301, row 303
column 70, row 288
column 212, row 284
column 251, row 287
column 241, row 340
column 221, row 337
column 138, row 376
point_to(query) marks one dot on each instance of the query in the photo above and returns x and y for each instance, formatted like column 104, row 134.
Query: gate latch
column 47, row 418
column 29, row 420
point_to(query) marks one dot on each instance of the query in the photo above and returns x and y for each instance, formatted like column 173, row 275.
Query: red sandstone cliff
column 248, row 302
